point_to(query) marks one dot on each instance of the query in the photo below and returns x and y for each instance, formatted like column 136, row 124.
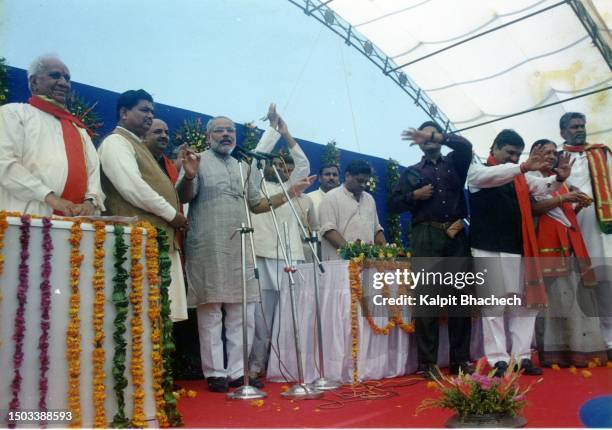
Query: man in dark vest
column 135, row 184
column 432, row 191
column 502, row 232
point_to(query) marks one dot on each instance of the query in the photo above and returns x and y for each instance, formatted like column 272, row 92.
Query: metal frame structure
column 326, row 16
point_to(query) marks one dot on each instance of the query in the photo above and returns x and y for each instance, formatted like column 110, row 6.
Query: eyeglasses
column 222, row 129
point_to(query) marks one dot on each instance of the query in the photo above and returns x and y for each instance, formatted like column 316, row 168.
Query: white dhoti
column 176, row 290
column 210, row 323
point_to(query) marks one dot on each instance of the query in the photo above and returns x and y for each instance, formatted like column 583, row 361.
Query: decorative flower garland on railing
column 354, row 270
column 73, row 334
column 136, row 362
column 3, row 227
column 98, row 354
column 45, row 313
column 120, row 300
column 157, row 365
column 174, row 417
column 19, row 332
column 393, row 229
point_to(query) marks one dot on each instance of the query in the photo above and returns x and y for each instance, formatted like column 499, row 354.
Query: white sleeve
column 302, row 165
column 94, row 187
column 268, row 140
column 118, row 161
column 480, row 176
column 14, row 176
column 539, row 186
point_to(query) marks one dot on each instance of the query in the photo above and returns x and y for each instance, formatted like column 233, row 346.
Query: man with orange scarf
column 592, row 175
column 48, row 163
column 502, row 232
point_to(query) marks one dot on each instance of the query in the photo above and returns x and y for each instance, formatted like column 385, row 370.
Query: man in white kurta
column 268, row 250
column 329, row 177
column 33, row 157
column 136, row 185
column 599, row 244
column 348, row 213
column 496, row 234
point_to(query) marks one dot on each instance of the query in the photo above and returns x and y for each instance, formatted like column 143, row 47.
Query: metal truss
column 591, row 27
column 326, row 16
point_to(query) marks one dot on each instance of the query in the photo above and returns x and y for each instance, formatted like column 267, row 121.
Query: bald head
column 157, row 138
column 48, row 76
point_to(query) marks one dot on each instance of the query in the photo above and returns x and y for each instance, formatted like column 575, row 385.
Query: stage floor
column 554, row 402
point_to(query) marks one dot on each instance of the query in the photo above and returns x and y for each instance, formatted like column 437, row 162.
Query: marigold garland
column 174, row 417
column 355, row 285
column 98, row 354
column 20, row 328
column 3, row 227
column 136, row 362
column 73, row 334
column 45, row 313
column 355, row 268
column 152, row 254
column 120, row 300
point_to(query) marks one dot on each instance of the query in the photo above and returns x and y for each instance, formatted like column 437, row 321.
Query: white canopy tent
column 476, row 65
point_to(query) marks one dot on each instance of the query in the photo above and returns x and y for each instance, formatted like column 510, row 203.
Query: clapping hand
column 272, row 116
column 191, row 163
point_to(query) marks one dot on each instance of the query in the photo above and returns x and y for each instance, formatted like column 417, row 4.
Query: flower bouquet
column 481, row 399
column 359, row 251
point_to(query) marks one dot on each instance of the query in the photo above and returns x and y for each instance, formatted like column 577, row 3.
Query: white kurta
column 33, row 160
column 118, row 159
column 316, row 197
column 265, row 238
column 353, row 219
column 598, row 243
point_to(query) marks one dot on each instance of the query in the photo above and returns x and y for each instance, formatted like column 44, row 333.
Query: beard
column 221, row 149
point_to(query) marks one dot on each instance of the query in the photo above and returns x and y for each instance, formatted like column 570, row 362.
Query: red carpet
column 555, row 402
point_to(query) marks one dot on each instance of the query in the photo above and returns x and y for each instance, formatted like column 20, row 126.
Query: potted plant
column 481, row 399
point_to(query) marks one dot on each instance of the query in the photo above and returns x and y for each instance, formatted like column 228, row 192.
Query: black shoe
column 217, row 384
column 529, row 368
column 429, row 371
column 465, row 367
column 500, row 368
column 239, row 382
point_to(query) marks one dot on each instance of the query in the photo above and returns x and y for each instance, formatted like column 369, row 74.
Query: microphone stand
column 321, row 383
column 299, row 390
column 246, row 392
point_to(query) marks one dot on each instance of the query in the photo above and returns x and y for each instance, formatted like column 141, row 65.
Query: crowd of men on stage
column 554, row 204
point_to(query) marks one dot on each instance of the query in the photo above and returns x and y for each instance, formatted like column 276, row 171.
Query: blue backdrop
column 174, row 117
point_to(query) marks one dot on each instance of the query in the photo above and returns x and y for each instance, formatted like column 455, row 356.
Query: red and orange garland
column 3, row 227
column 152, row 255
column 73, row 334
column 98, row 355
column 355, row 268
column 136, row 363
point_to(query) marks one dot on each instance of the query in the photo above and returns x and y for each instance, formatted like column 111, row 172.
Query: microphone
column 240, row 153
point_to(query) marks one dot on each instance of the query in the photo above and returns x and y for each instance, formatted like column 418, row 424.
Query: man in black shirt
column 433, row 192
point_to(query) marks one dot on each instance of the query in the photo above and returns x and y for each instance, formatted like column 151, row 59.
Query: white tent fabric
column 542, row 59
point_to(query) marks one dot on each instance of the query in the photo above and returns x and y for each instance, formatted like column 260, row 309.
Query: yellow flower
column 431, row 385
column 586, row 373
column 555, row 367
column 592, row 364
column 572, row 370
column 257, row 403
column 191, row 394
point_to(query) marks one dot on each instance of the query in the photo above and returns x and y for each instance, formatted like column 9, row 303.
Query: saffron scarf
column 535, row 290
column 557, row 243
column 76, row 181
column 173, row 174
column 600, row 181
